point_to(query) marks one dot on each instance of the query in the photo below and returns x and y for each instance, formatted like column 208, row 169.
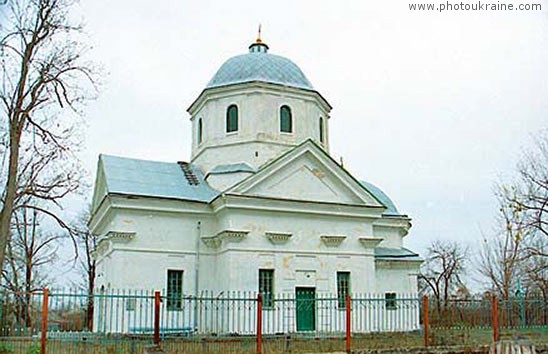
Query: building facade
column 260, row 207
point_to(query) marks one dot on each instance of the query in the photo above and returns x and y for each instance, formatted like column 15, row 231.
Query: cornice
column 253, row 86
column 243, row 202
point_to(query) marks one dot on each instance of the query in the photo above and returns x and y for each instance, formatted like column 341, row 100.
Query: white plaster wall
column 167, row 240
column 239, row 261
column 259, row 111
column 223, row 181
column 399, row 277
column 390, row 235
column 305, row 178
column 162, row 241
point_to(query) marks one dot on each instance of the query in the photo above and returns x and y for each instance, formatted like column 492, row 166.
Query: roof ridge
column 139, row 159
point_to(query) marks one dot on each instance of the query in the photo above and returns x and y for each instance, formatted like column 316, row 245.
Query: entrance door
column 306, row 309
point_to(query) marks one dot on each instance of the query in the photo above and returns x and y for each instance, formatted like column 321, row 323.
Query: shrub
column 6, row 348
column 35, row 349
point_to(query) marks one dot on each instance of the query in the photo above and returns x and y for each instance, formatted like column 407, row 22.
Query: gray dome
column 258, row 65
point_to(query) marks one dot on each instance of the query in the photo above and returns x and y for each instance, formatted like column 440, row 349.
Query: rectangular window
column 174, row 289
column 343, row 288
column 390, row 301
column 266, row 287
column 131, row 304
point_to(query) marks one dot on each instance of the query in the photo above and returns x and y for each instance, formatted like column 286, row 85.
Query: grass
column 462, row 337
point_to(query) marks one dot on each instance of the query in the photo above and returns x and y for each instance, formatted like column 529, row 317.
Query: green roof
column 396, row 254
column 156, row 179
column 259, row 65
column 391, row 209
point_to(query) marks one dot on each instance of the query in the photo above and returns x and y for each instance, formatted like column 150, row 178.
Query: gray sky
column 432, row 107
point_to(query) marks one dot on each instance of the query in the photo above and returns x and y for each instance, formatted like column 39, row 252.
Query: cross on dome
column 258, row 46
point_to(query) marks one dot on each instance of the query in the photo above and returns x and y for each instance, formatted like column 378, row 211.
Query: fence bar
column 259, row 323
column 44, row 337
column 156, row 317
column 426, row 324
column 495, row 318
column 348, row 324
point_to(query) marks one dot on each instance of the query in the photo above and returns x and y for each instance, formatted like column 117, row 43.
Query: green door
column 306, row 309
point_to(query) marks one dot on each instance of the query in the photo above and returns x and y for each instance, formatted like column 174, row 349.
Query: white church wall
column 239, row 262
column 224, row 181
column 390, row 235
column 306, row 179
column 259, row 112
column 397, row 277
column 162, row 241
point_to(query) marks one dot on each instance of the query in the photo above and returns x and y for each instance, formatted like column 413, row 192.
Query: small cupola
column 258, row 46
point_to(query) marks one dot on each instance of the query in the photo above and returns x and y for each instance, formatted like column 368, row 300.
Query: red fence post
column 495, row 318
column 44, row 338
column 259, row 323
column 348, row 324
column 425, row 318
column 156, row 317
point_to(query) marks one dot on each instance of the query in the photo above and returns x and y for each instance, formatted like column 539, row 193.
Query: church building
column 261, row 206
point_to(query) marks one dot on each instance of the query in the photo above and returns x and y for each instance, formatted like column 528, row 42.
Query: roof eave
column 207, row 90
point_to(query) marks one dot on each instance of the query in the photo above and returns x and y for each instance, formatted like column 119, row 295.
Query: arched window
column 232, row 119
column 321, row 130
column 286, row 121
column 200, row 131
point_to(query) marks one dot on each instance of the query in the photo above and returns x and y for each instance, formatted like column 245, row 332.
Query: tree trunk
column 91, row 286
column 10, row 190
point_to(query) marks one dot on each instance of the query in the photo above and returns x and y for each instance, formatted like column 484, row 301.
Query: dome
column 258, row 65
column 381, row 197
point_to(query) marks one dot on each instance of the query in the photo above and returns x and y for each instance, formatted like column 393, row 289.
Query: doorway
column 306, row 309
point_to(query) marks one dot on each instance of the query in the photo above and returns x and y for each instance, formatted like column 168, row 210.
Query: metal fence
column 121, row 321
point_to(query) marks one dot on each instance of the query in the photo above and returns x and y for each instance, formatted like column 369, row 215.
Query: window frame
column 391, row 301
column 288, row 109
column 174, row 303
column 268, row 297
column 343, row 288
column 131, row 304
column 322, row 132
column 200, row 131
column 228, row 119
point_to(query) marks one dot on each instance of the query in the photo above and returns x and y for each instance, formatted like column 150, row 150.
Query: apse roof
column 382, row 197
column 396, row 254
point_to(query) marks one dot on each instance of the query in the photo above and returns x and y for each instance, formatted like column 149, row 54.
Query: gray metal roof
column 396, row 254
column 231, row 168
column 382, row 197
column 156, row 179
column 260, row 66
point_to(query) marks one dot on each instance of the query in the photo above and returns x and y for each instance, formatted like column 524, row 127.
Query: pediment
column 306, row 174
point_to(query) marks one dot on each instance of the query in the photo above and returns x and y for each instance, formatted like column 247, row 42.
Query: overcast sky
column 431, row 107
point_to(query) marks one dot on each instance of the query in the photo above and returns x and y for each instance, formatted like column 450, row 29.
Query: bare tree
column 535, row 268
column 87, row 242
column 443, row 269
column 45, row 81
column 501, row 256
column 30, row 251
column 529, row 194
